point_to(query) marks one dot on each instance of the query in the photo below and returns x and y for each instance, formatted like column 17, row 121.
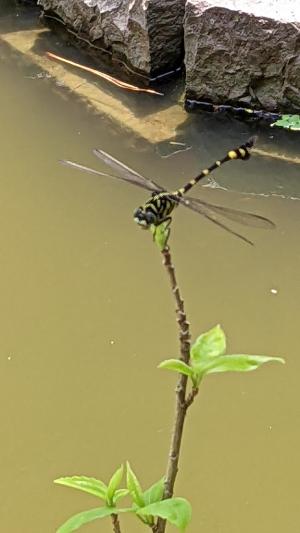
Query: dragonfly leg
column 166, row 221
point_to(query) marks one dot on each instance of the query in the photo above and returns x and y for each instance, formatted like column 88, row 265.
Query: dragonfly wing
column 235, row 215
column 85, row 169
column 209, row 214
column 127, row 173
column 78, row 166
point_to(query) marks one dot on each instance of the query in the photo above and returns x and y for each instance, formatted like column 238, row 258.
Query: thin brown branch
column 116, row 523
column 182, row 403
column 184, row 331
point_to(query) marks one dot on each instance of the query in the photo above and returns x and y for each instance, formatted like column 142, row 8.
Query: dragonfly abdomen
column 242, row 152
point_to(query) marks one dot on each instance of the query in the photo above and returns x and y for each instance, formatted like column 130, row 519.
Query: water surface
column 86, row 313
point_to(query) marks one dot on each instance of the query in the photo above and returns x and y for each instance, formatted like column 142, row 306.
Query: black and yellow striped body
column 156, row 210
column 159, row 207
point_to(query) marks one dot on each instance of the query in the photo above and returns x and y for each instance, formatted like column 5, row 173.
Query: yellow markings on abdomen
column 218, row 163
column 205, row 172
column 242, row 152
column 232, row 154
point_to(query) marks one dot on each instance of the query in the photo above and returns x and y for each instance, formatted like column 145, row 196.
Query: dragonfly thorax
column 155, row 211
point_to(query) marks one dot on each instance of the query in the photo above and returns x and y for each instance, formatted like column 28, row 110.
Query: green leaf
column 134, row 487
column 197, row 377
column 120, row 493
column 114, row 484
column 161, row 234
column 84, row 483
column 155, row 492
column 177, row 511
column 78, row 520
column 238, row 363
column 291, row 122
column 177, row 366
column 209, row 344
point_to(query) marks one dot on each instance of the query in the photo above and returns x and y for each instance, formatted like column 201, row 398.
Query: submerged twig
column 182, row 403
column 107, row 77
column 275, row 155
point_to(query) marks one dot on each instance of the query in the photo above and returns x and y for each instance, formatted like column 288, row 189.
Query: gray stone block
column 148, row 34
column 244, row 51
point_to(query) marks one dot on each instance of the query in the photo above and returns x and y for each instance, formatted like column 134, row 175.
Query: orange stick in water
column 116, row 82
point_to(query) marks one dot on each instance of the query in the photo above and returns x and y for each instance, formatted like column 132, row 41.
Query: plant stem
column 184, row 327
column 115, row 523
column 182, row 403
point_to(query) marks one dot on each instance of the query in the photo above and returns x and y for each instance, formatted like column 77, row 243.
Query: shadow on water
column 86, row 313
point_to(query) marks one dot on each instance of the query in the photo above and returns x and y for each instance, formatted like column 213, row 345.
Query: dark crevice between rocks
column 170, row 15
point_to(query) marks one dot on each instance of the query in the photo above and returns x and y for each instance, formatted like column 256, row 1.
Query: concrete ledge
column 154, row 127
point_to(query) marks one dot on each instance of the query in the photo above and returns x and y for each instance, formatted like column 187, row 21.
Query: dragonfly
column 158, row 208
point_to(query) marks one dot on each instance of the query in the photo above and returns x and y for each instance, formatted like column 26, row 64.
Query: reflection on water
column 86, row 315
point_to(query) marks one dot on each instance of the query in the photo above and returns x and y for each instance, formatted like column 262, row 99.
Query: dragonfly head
column 144, row 218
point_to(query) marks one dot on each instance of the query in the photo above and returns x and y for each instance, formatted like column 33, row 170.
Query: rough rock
column 148, row 34
column 244, row 52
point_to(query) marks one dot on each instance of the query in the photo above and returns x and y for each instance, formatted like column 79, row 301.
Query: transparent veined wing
column 78, row 166
column 127, row 173
column 211, row 212
column 236, row 215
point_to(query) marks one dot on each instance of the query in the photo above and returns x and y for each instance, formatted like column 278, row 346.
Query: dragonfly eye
column 140, row 217
column 149, row 217
column 143, row 218
column 138, row 213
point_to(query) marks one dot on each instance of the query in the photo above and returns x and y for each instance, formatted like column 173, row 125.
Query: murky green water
column 86, row 315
